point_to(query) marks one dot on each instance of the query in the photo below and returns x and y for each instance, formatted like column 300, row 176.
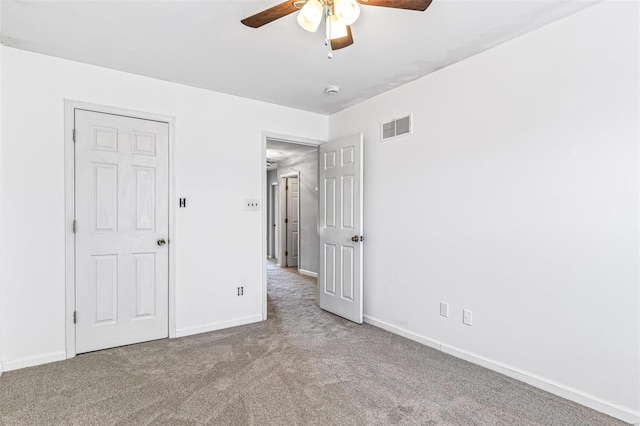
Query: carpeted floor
column 302, row 366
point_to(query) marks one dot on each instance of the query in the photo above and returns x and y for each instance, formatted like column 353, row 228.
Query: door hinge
column 75, row 317
column 286, row 187
column 286, row 220
column 75, row 226
column 74, row 135
column 286, row 253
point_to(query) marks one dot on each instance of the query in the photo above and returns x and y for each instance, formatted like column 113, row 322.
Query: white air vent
column 394, row 128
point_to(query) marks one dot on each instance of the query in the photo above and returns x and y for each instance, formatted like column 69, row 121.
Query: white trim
column 172, row 227
column 69, row 162
column 1, row 368
column 33, row 361
column 276, row 137
column 623, row 413
column 69, row 215
column 263, row 203
column 218, row 326
column 309, row 273
column 279, row 137
column 402, row 332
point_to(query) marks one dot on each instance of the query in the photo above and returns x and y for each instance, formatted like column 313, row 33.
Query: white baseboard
column 309, row 273
column 182, row 332
column 623, row 413
column 1, row 368
column 37, row 360
column 60, row 356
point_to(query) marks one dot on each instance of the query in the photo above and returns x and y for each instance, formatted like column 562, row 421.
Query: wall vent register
column 395, row 128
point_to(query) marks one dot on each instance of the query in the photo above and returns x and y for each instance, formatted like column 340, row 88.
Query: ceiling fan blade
column 339, row 43
column 270, row 15
column 420, row 5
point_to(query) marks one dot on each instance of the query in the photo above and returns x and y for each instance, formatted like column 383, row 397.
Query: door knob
column 355, row 238
column 161, row 242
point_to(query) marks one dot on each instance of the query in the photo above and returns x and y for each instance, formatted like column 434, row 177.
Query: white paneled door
column 293, row 221
column 340, row 222
column 122, row 228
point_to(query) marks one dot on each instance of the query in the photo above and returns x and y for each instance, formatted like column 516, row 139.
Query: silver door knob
column 161, row 242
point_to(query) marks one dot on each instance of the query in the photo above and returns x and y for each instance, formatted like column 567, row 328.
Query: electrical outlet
column 444, row 309
column 241, row 291
column 251, row 204
column 467, row 316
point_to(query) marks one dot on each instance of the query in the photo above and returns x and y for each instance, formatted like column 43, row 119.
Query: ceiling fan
column 338, row 14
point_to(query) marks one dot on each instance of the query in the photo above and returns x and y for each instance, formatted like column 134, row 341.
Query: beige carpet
column 302, row 366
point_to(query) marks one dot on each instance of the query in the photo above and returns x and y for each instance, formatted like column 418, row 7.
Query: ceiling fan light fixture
column 346, row 11
column 335, row 29
column 312, row 12
column 310, row 15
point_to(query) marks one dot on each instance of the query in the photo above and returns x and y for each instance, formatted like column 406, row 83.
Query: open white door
column 340, row 220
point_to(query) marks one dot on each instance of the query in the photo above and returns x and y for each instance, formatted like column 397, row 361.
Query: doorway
column 336, row 251
column 118, row 186
column 291, row 201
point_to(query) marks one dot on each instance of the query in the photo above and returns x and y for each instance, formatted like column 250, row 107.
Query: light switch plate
column 444, row 309
column 467, row 316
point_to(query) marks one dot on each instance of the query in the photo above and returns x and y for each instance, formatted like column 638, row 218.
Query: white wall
column 307, row 166
column 218, row 163
column 516, row 197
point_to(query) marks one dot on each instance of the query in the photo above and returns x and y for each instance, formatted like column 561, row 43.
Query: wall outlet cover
column 251, row 204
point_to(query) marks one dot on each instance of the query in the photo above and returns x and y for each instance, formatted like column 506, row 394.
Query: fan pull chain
column 328, row 44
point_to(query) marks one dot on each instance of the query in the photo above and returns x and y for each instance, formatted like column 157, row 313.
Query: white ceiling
column 203, row 43
column 279, row 150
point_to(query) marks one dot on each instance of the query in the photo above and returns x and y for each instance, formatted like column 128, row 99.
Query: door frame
column 281, row 138
column 69, row 194
column 284, row 207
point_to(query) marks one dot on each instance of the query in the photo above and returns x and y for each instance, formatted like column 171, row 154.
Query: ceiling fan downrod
column 327, row 17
